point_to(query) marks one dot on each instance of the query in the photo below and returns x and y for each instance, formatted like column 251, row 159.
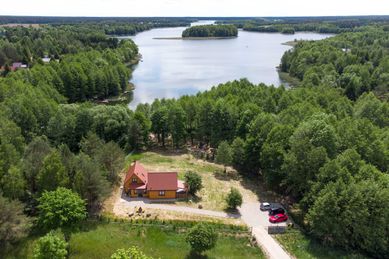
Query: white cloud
column 194, row 7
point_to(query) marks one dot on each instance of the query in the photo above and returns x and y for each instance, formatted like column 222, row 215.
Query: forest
column 211, row 31
column 290, row 25
column 51, row 134
column 355, row 62
column 82, row 65
column 324, row 144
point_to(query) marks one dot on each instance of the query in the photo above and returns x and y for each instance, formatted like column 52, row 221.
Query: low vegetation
column 302, row 246
column 52, row 245
column 130, row 253
column 157, row 240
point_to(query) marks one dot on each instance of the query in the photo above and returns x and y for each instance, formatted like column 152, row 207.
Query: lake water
column 172, row 68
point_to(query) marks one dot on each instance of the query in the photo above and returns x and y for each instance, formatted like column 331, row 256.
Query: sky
column 194, row 7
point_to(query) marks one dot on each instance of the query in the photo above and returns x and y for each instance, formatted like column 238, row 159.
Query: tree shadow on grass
column 233, row 212
column 194, row 255
column 226, row 176
column 263, row 193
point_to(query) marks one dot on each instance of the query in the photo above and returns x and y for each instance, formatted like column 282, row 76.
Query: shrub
column 201, row 237
column 60, row 208
column 194, row 181
column 131, row 253
column 234, row 198
column 52, row 245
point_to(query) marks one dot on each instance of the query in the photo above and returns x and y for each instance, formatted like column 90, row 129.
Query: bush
column 201, row 237
column 60, row 208
column 194, row 181
column 51, row 246
column 234, row 198
column 131, row 253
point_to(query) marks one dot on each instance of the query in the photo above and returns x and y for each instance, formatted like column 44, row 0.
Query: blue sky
column 194, row 7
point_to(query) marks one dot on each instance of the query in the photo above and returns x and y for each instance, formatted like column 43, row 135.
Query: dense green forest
column 76, row 20
column 84, row 63
column 211, row 31
column 290, row 25
column 50, row 135
column 355, row 62
column 324, row 144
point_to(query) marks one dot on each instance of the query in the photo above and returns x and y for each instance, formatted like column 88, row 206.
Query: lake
column 172, row 68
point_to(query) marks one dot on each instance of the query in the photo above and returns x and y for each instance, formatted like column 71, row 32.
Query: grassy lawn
column 304, row 247
column 216, row 183
column 100, row 240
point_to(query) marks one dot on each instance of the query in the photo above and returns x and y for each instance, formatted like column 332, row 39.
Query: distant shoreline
column 193, row 38
column 291, row 43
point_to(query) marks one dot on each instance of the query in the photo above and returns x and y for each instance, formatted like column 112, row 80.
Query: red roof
column 162, row 181
column 137, row 186
column 136, row 169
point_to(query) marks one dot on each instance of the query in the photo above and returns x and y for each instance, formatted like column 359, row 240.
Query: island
column 211, row 31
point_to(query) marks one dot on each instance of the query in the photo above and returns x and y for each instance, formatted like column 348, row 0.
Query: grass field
column 304, row 247
column 100, row 240
column 216, row 183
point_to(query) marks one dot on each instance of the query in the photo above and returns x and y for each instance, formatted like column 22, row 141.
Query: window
column 134, row 180
column 161, row 193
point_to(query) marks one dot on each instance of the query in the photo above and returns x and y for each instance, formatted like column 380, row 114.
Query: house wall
column 128, row 183
column 168, row 195
column 134, row 194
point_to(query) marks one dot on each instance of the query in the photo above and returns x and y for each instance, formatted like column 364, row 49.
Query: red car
column 278, row 218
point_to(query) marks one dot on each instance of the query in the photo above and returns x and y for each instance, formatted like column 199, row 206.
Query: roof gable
column 138, row 170
column 162, row 181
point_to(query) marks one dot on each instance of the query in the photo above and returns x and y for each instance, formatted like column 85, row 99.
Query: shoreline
column 291, row 43
column 194, row 38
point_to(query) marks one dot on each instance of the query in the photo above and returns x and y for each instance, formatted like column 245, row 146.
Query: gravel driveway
column 259, row 221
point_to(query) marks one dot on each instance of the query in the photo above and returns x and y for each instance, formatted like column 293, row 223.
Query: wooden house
column 153, row 185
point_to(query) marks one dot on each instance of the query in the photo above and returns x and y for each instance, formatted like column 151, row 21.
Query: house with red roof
column 154, row 185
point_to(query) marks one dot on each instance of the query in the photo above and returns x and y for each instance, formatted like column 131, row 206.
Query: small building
column 46, row 60
column 153, row 185
column 17, row 65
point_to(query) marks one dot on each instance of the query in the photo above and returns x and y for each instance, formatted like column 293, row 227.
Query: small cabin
column 153, row 185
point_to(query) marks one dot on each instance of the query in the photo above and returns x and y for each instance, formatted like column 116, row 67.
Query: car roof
column 265, row 204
